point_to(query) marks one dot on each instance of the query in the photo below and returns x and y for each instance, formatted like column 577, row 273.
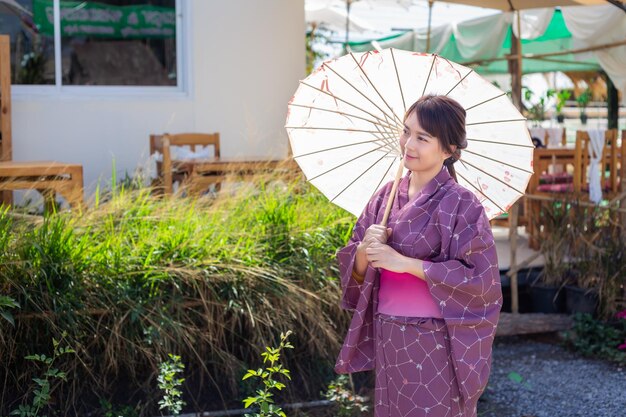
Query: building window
column 103, row 43
column 32, row 52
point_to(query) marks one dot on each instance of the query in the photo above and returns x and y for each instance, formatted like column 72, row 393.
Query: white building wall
column 244, row 59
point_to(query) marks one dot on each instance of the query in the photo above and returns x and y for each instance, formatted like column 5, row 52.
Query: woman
column 425, row 291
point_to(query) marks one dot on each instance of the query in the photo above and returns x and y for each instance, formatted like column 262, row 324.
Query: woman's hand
column 376, row 233
column 380, row 255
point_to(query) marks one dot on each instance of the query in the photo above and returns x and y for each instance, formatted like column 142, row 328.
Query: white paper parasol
column 345, row 120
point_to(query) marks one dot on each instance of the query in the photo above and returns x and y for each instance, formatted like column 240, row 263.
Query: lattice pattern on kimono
column 446, row 226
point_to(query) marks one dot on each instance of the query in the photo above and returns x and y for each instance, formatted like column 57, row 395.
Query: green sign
column 102, row 20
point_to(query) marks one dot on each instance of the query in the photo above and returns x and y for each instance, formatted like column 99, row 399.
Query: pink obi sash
column 404, row 294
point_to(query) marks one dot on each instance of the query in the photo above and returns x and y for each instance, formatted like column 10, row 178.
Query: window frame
column 58, row 90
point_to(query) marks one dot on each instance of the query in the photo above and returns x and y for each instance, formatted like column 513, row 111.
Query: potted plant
column 561, row 97
column 536, row 112
column 601, row 263
column 581, row 292
column 546, row 291
column 583, row 100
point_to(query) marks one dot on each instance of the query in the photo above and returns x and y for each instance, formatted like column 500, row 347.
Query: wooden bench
column 47, row 177
column 6, row 150
column 197, row 174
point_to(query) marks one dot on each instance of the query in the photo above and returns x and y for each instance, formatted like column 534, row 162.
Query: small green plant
column 599, row 339
column 170, row 383
column 264, row 399
column 43, row 392
column 583, row 100
column 537, row 112
column 5, row 303
column 561, row 98
column 347, row 404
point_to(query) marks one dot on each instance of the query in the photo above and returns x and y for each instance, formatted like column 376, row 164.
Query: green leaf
column 40, row 382
column 6, row 301
column 8, row 317
column 248, row 401
column 515, row 377
column 250, row 373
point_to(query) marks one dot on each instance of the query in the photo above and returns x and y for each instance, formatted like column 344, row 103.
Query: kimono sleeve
column 467, row 287
column 350, row 289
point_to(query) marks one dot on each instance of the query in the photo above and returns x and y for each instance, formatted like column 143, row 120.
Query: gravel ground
column 533, row 378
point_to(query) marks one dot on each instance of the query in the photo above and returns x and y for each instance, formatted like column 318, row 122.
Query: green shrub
column 138, row 276
column 600, row 339
column 346, row 402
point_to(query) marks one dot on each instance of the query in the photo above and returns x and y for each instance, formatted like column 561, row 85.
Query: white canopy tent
column 600, row 30
column 379, row 18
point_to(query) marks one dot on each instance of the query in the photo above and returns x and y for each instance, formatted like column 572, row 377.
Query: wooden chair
column 171, row 170
column 609, row 164
column 47, row 177
column 544, row 184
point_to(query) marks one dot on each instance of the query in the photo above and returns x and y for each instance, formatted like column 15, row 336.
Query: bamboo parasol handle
column 393, row 193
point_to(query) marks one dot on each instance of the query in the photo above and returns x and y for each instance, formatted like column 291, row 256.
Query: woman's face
column 422, row 152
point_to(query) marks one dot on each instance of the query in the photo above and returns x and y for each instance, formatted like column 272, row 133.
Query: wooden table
column 543, row 158
column 47, row 177
column 204, row 172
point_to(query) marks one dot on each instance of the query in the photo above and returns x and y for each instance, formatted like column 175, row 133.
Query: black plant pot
column 581, row 300
column 583, row 119
column 560, row 118
column 524, row 278
column 546, row 299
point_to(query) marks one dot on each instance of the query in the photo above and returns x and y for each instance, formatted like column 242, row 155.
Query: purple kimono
column 426, row 366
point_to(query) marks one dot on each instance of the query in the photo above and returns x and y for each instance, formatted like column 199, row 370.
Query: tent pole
column 515, row 66
column 611, row 102
column 612, row 111
column 430, row 15
column 348, row 4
